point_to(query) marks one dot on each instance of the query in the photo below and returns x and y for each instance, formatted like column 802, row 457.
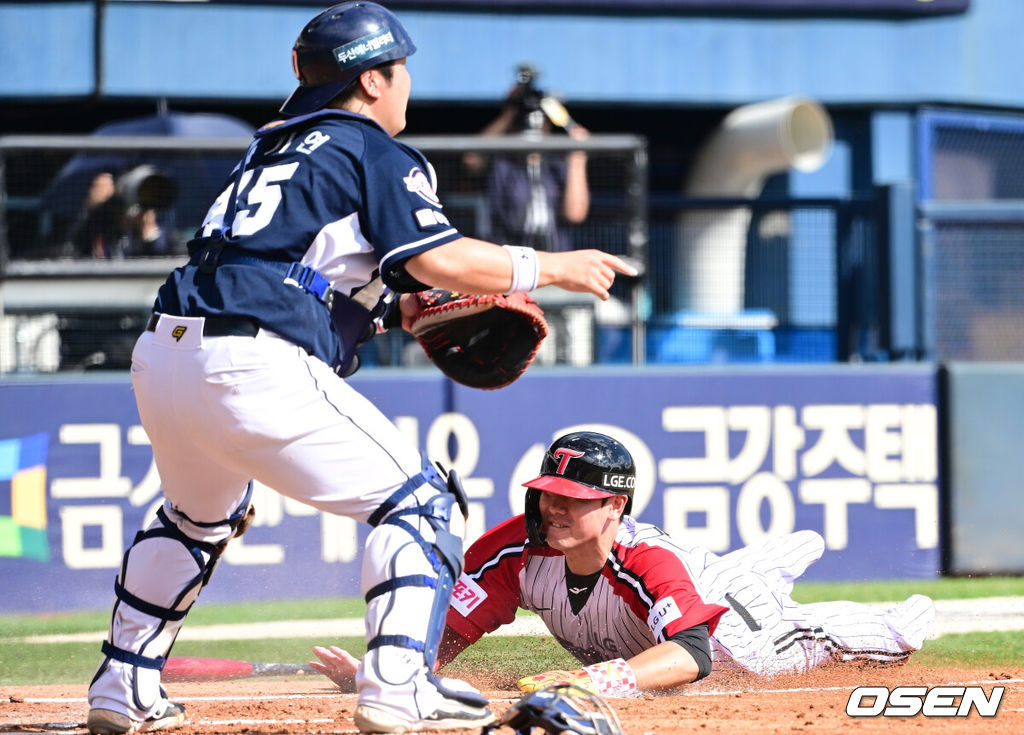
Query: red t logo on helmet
column 563, row 456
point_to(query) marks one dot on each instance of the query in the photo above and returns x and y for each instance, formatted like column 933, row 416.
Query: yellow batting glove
column 614, row 678
column 579, row 677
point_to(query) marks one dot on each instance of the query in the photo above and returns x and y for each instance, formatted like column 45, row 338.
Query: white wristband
column 613, row 678
column 525, row 268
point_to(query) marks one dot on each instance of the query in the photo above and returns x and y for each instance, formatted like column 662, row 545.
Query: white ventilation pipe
column 752, row 143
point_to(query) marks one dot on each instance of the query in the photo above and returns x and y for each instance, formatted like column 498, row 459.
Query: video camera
column 146, row 187
column 534, row 105
column 527, row 97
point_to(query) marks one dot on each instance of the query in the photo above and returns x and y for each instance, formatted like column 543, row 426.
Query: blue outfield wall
column 241, row 51
column 726, row 458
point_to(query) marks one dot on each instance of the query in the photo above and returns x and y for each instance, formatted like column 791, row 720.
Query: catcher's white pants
column 221, row 411
column 768, row 633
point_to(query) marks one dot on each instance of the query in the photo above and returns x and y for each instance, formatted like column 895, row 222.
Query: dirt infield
column 722, row 704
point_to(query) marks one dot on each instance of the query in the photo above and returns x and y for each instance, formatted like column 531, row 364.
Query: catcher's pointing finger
column 585, row 271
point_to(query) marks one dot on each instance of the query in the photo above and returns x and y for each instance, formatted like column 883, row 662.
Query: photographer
column 532, row 198
column 119, row 215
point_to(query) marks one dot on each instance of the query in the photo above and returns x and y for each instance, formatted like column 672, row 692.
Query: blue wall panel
column 985, row 466
column 47, row 50
column 197, row 51
column 725, row 459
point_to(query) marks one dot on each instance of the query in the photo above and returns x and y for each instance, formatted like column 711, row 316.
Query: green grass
column 957, row 588
column 74, row 663
column 997, row 649
column 16, row 626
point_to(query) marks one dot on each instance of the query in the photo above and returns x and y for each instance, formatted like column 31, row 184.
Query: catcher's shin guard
column 411, row 563
column 161, row 575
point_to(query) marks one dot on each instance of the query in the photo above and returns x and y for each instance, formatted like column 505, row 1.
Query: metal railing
column 45, row 274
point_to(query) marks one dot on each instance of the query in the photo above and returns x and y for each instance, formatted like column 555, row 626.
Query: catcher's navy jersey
column 645, row 592
column 332, row 191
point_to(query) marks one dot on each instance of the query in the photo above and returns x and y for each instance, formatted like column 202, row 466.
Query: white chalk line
column 290, row 721
column 733, row 692
column 974, row 615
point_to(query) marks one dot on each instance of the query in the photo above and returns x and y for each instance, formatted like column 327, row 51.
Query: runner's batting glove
column 613, row 678
column 534, row 683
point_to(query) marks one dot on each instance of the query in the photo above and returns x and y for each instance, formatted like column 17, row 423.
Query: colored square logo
column 23, row 497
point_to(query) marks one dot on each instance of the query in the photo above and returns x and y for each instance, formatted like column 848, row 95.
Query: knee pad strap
column 427, row 476
column 411, row 580
column 237, row 521
column 149, row 608
column 132, row 659
column 401, row 641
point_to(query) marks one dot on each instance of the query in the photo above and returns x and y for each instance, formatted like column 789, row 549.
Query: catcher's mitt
column 559, row 709
column 480, row 341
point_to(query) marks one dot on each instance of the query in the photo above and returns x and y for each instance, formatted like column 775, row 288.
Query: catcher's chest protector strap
column 217, row 253
column 355, row 320
column 353, row 316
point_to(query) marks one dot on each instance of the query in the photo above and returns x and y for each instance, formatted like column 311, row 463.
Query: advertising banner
column 725, row 459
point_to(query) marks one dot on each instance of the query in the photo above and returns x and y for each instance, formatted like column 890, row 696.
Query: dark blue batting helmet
column 337, row 46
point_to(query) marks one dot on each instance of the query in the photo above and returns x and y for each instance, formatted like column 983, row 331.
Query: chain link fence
column 90, row 227
column 972, row 225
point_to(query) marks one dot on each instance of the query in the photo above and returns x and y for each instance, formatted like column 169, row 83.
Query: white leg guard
column 161, row 575
column 409, row 567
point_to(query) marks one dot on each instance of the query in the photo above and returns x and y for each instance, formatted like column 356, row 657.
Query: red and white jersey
column 645, row 592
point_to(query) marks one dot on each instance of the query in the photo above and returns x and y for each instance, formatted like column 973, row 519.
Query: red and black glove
column 480, row 341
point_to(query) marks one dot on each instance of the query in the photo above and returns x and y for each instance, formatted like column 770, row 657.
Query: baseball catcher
column 484, row 341
column 241, row 374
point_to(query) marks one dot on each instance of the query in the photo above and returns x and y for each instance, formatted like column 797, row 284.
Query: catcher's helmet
column 337, row 46
column 583, row 464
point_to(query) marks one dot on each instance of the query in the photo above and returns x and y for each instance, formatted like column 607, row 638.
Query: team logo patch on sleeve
column 418, row 183
column 466, row 595
column 430, row 218
column 663, row 612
